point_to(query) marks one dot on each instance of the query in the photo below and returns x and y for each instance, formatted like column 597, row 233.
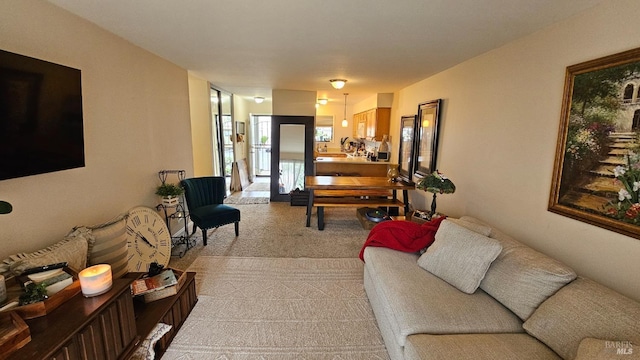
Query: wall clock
column 148, row 239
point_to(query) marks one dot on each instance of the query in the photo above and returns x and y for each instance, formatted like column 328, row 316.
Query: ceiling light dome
column 258, row 99
column 338, row 83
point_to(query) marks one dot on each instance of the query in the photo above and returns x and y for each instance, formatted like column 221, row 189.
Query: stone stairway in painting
column 601, row 188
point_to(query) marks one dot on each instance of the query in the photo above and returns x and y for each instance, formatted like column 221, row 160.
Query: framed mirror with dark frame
column 407, row 145
column 426, row 138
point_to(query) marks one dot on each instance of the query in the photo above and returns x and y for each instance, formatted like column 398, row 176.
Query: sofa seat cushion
column 532, row 276
column 598, row 349
column 477, row 347
column 416, row 301
column 584, row 309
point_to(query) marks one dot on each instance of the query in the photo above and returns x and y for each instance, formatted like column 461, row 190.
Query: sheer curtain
column 291, row 175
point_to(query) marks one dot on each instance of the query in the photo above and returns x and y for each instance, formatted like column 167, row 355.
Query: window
column 324, row 128
column 628, row 93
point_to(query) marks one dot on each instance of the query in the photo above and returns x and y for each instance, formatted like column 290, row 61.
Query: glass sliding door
column 226, row 104
column 215, row 133
column 222, row 121
column 260, row 148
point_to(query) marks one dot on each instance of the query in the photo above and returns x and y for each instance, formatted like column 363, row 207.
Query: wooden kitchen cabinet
column 372, row 123
column 359, row 125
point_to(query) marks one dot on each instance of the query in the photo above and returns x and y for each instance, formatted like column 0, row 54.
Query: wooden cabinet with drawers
column 106, row 327
column 101, row 327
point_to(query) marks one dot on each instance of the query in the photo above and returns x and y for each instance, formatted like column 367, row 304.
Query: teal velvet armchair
column 205, row 197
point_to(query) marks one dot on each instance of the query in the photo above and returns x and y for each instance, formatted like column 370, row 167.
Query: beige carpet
column 278, row 230
column 278, row 308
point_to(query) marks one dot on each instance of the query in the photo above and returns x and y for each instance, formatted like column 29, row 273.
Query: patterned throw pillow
column 146, row 350
column 108, row 245
column 73, row 250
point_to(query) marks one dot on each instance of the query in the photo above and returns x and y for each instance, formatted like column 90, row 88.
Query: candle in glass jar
column 95, row 280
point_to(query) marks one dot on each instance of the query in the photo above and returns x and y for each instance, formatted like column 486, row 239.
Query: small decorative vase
column 392, row 172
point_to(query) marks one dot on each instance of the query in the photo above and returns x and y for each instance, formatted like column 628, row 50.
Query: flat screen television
column 41, row 123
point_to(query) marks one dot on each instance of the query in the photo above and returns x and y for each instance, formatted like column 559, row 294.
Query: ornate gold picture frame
column 596, row 176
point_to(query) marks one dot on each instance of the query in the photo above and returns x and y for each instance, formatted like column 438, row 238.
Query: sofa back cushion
column 484, row 230
column 584, row 309
column 522, row 278
column 459, row 256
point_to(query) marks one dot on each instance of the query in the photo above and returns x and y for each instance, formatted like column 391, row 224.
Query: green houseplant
column 169, row 193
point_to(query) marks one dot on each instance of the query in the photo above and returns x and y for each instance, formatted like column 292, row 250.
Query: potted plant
column 169, row 194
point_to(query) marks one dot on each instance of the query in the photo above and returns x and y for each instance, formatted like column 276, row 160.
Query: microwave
column 384, row 155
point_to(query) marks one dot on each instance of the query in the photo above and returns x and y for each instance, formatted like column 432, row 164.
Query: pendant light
column 345, row 123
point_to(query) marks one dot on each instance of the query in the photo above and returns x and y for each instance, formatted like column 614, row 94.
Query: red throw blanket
column 404, row 236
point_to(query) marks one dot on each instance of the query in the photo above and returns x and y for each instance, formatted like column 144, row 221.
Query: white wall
column 294, row 102
column 136, row 122
column 498, row 138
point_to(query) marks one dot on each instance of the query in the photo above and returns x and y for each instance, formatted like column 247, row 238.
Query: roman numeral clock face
column 148, row 239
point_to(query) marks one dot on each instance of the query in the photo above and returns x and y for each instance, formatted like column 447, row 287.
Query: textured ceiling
column 249, row 47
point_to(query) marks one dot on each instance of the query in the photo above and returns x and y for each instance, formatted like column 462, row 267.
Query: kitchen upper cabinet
column 360, row 125
column 372, row 123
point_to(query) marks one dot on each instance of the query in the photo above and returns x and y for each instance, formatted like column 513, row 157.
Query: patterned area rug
column 243, row 200
column 278, row 308
column 258, row 186
column 277, row 230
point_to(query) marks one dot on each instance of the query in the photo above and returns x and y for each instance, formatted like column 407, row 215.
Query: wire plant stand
column 180, row 244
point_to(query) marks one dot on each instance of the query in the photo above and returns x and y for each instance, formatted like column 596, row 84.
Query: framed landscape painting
column 426, row 134
column 596, row 175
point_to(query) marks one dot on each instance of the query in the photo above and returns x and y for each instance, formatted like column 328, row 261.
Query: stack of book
column 160, row 286
column 53, row 280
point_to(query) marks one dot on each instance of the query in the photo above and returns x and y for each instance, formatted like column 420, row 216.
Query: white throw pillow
column 460, row 256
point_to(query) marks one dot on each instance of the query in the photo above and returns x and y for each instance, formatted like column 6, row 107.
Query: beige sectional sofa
column 477, row 293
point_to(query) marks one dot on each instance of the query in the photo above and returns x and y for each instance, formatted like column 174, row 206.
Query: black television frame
column 41, row 117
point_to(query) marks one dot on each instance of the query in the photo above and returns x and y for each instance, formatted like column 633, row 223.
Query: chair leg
column 204, row 237
column 237, row 226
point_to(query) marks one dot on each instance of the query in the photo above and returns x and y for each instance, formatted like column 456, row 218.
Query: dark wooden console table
column 109, row 326
column 172, row 310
